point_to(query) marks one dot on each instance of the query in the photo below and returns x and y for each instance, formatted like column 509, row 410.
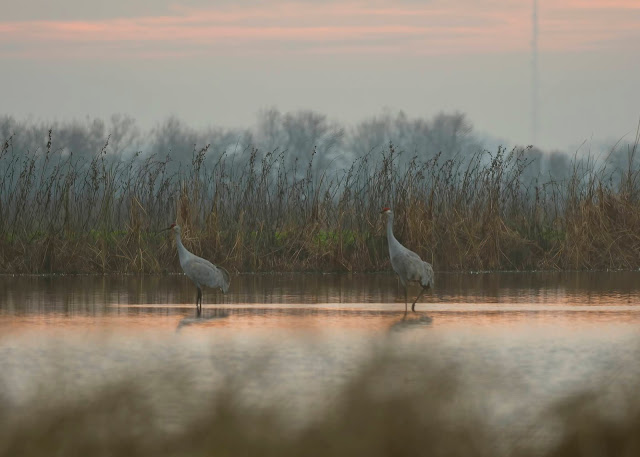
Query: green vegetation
column 259, row 211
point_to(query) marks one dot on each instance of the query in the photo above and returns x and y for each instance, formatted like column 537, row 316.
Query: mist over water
column 298, row 135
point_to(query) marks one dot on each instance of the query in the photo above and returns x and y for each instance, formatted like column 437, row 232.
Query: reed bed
column 264, row 211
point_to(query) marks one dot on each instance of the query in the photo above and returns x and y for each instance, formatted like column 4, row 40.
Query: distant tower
column 534, row 75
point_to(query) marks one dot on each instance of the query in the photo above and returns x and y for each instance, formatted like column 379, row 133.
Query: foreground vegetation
column 427, row 410
column 263, row 211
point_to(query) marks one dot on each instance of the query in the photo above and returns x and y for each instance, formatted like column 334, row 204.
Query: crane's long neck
column 183, row 254
column 393, row 243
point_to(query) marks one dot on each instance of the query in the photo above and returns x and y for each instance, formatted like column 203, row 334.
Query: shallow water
column 545, row 335
column 321, row 302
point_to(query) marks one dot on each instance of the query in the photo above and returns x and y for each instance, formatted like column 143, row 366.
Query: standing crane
column 200, row 271
column 407, row 264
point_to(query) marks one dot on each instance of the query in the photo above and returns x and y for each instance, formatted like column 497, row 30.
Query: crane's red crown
column 173, row 225
column 385, row 209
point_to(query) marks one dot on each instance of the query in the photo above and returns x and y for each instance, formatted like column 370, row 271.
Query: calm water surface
column 374, row 302
column 546, row 334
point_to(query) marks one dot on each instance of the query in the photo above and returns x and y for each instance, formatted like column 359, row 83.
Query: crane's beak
column 164, row 230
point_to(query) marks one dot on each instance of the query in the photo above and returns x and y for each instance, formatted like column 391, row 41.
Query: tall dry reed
column 262, row 211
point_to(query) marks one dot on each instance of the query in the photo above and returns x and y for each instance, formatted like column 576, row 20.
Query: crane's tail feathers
column 227, row 279
column 427, row 280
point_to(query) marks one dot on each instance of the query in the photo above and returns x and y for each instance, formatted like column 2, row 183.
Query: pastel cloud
column 438, row 27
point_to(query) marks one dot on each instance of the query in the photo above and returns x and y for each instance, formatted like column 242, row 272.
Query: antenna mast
column 534, row 75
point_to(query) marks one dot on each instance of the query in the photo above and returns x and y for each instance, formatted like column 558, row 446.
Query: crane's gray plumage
column 407, row 264
column 200, row 271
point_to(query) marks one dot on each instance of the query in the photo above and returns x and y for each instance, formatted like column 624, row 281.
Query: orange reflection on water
column 316, row 304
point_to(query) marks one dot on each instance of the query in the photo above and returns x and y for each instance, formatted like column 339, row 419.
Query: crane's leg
column 404, row 284
column 413, row 307
column 199, row 302
column 406, row 300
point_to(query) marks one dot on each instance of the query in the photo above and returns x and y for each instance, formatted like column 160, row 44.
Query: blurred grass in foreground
column 393, row 405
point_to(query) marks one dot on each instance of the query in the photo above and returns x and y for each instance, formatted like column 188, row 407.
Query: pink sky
column 438, row 27
column 219, row 65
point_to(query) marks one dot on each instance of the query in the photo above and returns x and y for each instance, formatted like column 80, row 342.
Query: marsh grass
column 409, row 405
column 261, row 211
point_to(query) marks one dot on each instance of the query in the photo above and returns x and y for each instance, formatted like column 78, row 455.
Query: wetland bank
column 254, row 208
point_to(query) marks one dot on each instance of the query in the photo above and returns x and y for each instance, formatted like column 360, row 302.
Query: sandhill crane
column 200, row 271
column 407, row 264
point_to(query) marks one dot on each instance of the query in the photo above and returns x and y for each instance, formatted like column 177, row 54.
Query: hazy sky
column 219, row 63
